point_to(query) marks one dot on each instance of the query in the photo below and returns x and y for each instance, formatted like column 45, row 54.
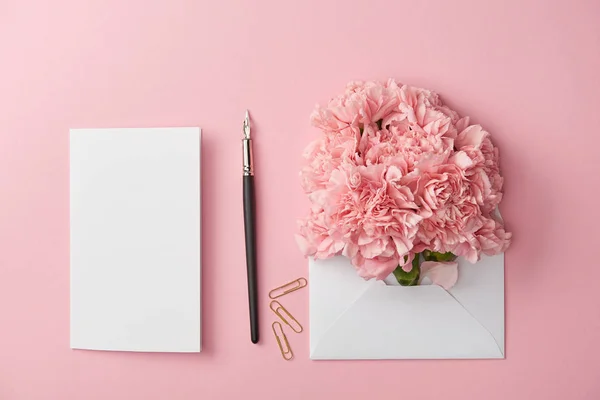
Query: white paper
column 135, row 239
column 351, row 318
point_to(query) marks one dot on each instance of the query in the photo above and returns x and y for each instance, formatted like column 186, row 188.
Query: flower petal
column 471, row 136
column 444, row 274
column 378, row 268
column 305, row 246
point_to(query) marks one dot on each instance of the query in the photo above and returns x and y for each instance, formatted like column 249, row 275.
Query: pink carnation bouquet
column 400, row 183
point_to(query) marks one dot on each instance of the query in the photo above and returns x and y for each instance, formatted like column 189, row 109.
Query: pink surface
column 526, row 70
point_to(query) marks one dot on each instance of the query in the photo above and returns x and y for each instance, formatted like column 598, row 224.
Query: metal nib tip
column 247, row 125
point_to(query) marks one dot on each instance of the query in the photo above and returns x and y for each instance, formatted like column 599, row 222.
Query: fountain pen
column 250, row 228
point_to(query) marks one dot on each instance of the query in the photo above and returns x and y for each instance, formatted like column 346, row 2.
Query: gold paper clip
column 287, row 288
column 284, row 345
column 289, row 320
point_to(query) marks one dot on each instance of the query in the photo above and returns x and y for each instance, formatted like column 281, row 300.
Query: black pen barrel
column 250, row 232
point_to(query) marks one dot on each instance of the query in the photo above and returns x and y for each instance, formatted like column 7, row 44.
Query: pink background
column 526, row 70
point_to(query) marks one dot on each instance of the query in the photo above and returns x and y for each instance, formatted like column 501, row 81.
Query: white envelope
column 351, row 318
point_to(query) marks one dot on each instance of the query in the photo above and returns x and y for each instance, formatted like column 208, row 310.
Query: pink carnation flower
column 397, row 172
column 362, row 103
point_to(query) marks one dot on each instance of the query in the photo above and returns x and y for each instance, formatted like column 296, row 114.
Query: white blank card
column 135, row 239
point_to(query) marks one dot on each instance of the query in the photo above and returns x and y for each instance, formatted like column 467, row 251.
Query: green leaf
column 410, row 278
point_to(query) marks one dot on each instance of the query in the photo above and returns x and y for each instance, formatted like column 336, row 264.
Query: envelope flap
column 406, row 322
column 334, row 286
column 480, row 290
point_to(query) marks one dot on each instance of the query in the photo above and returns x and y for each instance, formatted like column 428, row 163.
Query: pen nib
column 247, row 125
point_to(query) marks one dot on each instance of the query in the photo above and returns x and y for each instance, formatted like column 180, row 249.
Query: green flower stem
column 410, row 278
